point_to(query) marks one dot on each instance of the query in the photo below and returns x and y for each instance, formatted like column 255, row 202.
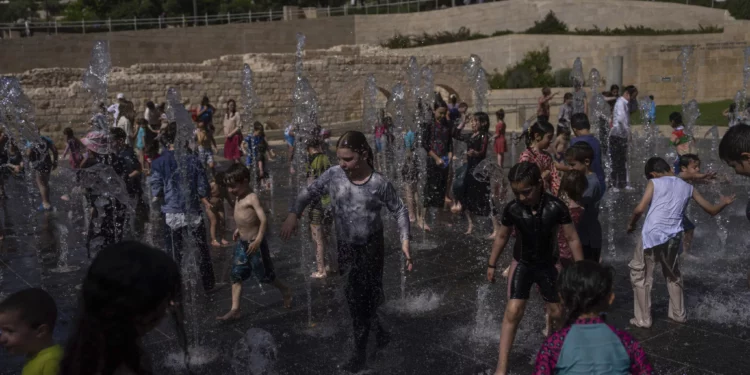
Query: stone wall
column 337, row 75
column 174, row 45
column 519, row 15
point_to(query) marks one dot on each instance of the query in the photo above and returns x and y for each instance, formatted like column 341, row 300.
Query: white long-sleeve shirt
column 621, row 119
column 114, row 109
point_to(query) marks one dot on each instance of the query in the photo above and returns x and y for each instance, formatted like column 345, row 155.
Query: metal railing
column 287, row 13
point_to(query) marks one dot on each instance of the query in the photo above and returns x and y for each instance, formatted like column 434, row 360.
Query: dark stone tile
column 686, row 345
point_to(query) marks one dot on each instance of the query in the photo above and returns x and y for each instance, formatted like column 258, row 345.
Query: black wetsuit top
column 537, row 232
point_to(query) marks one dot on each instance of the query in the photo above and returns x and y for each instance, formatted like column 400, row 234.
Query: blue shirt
column 409, row 140
column 589, row 228
column 596, row 164
column 165, row 179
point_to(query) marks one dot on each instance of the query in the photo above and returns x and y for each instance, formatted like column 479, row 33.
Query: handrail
column 83, row 26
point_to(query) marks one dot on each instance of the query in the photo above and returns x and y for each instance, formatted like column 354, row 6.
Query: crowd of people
column 552, row 210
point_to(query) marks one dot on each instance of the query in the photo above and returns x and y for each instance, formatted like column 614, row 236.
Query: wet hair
column 463, row 105
column 585, row 288
column 68, row 133
column 357, row 142
column 126, row 280
column 656, row 165
column 169, row 134
column 580, row 121
column 574, row 184
column 452, row 98
column 439, row 104
column 527, row 172
column 150, row 105
column 735, row 142
column 546, row 90
column 118, row 134
column 500, row 114
column 142, row 121
column 484, row 121
column 651, row 97
column 580, row 151
column 540, row 127
column 733, row 107
column 237, row 174
column 204, row 100
column 258, row 126
column 567, row 96
column 614, row 87
column 34, row 306
column 675, row 118
column 687, row 158
column 314, row 142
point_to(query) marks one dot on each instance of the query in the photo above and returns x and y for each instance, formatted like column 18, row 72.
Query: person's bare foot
column 506, row 271
column 468, row 231
column 412, row 219
column 287, row 294
column 318, row 275
column 215, row 243
column 65, row 197
column 231, row 315
column 224, row 242
column 425, row 227
column 492, row 236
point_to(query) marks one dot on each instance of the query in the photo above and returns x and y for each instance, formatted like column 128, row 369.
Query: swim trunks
column 256, row 264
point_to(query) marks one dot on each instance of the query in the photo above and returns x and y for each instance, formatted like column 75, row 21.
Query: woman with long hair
column 476, row 197
column 232, row 132
column 128, row 290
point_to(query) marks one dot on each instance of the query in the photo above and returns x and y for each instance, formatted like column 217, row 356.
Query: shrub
column 643, row 31
column 549, row 25
column 562, row 77
column 496, row 80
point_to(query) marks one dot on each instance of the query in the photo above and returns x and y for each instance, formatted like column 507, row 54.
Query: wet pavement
column 434, row 328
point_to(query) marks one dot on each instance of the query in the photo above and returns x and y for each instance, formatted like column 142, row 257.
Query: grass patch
column 710, row 113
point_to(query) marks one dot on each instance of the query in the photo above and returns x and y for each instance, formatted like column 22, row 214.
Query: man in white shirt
column 618, row 138
column 114, row 109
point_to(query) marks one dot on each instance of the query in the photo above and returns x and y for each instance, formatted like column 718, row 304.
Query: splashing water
column 17, row 111
column 690, row 114
column 476, row 76
column 485, row 326
column 62, row 263
column 197, row 356
column 254, row 354
column 416, row 304
column 249, row 102
column 686, row 54
column 370, row 118
column 741, row 98
column 96, row 77
column 579, row 95
column 576, row 74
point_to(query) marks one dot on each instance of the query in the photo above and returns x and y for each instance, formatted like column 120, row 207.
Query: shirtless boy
column 251, row 255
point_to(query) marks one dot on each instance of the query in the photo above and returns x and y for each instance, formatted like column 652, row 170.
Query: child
column 319, row 210
column 731, row 114
column 582, row 129
column 251, row 255
column 501, row 145
column 566, row 111
column 182, row 214
column 579, row 157
column 131, row 172
column 734, row 150
column 536, row 217
column 476, row 194
column 127, row 291
column 27, row 320
column 682, row 141
column 538, row 138
column 74, row 147
column 652, row 110
column 205, row 152
column 667, row 197
column 587, row 344
column 572, row 188
column 43, row 156
column 216, row 212
column 255, row 147
column 410, row 175
column 358, row 194
column 140, row 141
column 542, row 111
column 690, row 171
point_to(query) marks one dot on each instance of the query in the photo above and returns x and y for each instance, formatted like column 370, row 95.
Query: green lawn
column 710, row 113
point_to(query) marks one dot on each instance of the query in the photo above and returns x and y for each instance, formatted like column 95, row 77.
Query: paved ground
column 435, row 326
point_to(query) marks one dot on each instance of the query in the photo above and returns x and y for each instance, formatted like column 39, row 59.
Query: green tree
column 18, row 9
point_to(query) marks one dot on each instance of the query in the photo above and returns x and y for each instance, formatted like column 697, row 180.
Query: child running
column 251, row 255
column 536, row 217
column 587, row 345
column 27, row 321
column 358, row 194
column 690, row 171
column 579, row 157
column 666, row 199
column 74, row 148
